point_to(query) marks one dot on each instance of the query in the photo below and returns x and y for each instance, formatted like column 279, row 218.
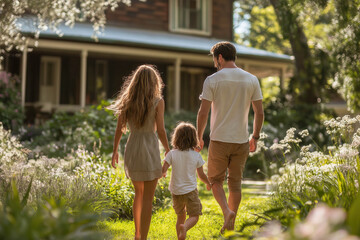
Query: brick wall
column 222, row 19
column 154, row 15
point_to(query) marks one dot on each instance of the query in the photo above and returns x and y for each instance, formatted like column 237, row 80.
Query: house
column 73, row 71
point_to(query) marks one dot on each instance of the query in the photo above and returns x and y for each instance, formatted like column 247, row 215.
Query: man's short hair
column 226, row 49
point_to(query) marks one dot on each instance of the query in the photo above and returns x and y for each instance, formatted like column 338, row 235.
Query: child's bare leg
column 137, row 206
column 189, row 223
column 180, row 221
column 149, row 191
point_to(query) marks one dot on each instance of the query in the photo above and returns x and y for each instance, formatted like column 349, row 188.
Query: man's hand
column 208, row 187
column 253, row 145
column 115, row 159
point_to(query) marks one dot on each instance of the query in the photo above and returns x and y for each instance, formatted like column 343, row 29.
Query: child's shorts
column 189, row 201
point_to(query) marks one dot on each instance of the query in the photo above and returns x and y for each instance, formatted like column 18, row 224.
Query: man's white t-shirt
column 231, row 91
column 183, row 174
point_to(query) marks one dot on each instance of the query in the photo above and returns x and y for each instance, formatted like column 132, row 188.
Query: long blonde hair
column 137, row 95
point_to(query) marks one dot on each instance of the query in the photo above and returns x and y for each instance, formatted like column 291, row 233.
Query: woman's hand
column 115, row 159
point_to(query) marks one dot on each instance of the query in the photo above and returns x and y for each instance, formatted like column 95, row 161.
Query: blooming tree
column 50, row 14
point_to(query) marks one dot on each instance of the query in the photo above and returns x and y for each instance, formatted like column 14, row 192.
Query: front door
column 49, row 80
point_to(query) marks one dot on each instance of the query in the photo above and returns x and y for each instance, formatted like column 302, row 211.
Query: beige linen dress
column 142, row 155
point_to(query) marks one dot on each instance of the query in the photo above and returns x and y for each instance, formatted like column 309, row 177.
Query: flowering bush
column 80, row 176
column 322, row 223
column 11, row 112
column 310, row 175
column 50, row 176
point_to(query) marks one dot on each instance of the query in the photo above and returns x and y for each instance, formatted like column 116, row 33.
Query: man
column 229, row 93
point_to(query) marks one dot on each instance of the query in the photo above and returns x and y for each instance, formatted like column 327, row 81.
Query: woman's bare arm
column 118, row 134
column 160, row 126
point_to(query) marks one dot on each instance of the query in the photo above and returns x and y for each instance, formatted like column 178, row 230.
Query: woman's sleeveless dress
column 142, row 155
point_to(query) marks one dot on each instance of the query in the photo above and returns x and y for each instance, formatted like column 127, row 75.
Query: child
column 183, row 185
column 140, row 105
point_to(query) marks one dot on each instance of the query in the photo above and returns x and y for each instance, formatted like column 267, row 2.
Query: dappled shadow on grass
column 209, row 225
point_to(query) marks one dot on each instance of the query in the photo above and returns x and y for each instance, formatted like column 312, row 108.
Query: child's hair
column 137, row 95
column 184, row 137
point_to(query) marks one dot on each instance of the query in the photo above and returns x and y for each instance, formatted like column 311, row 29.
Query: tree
column 324, row 39
column 346, row 51
column 50, row 14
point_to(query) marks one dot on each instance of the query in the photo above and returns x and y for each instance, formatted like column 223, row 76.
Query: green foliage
column 120, row 192
column 11, row 112
column 49, row 220
column 325, row 41
column 172, row 119
column 265, row 32
column 313, row 176
column 354, row 217
column 65, row 132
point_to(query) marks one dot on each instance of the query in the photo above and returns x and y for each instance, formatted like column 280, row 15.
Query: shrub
column 65, row 132
column 51, row 219
column 11, row 112
column 51, row 177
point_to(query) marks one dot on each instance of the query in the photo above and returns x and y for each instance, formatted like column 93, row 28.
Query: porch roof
column 147, row 38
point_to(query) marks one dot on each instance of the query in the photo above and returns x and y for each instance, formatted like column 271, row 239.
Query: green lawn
column 209, row 225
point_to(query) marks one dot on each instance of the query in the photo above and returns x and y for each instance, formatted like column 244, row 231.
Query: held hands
column 201, row 145
column 208, row 187
column 115, row 159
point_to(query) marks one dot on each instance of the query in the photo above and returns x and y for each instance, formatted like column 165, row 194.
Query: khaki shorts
column 189, row 201
column 227, row 156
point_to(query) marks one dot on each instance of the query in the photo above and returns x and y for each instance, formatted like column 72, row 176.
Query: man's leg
column 229, row 215
column 237, row 163
column 233, row 203
column 217, row 164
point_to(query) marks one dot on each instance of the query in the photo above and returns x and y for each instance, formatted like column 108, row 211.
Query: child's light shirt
column 183, row 174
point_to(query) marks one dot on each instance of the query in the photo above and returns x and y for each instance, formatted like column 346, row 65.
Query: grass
column 209, row 225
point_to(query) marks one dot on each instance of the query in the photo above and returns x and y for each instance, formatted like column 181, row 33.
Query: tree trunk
column 305, row 80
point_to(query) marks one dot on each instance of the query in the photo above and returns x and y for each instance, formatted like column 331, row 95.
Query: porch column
column 282, row 78
column 23, row 76
column 84, row 54
column 177, row 84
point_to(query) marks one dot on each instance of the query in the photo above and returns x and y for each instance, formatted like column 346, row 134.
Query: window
column 190, row 16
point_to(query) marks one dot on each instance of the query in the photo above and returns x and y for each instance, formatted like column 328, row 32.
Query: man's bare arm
column 257, row 124
column 202, row 118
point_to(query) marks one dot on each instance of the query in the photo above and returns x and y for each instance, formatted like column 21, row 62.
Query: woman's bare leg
column 137, row 206
column 149, row 191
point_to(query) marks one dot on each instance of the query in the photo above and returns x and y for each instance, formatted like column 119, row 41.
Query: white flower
column 304, row 133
